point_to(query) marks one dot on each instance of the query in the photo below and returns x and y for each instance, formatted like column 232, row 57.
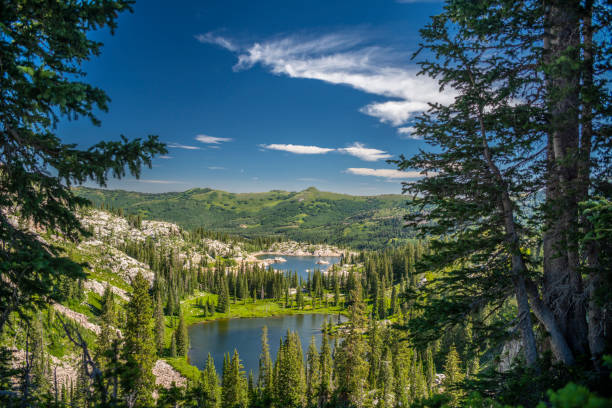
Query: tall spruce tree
column 351, row 367
column 139, row 350
column 453, row 376
column 42, row 51
column 233, row 383
column 182, row 339
column 313, row 374
column 289, row 378
column 160, row 324
column 265, row 380
column 519, row 123
column 210, row 384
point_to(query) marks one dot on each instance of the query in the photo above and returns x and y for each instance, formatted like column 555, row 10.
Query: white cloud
column 212, row 139
column 346, row 59
column 394, row 112
column 182, row 146
column 209, row 38
column 365, row 153
column 216, row 168
column 408, row 133
column 165, row 157
column 386, row 173
column 297, row 149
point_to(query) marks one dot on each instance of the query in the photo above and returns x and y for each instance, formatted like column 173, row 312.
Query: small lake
column 222, row 336
column 302, row 264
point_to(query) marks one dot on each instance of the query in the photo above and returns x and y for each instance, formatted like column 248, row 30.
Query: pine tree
column 265, row 380
column 313, row 374
column 182, row 339
column 289, row 379
column 453, row 376
column 326, row 370
column 386, row 391
column 223, row 302
column 430, row 370
column 351, row 367
column 139, row 350
column 41, row 84
column 160, row 324
column 210, row 384
column 233, row 383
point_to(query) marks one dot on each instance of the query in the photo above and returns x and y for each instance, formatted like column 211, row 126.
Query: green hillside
column 309, row 215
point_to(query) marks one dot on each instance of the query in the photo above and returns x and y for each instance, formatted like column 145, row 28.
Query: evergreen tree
column 289, row 380
column 326, row 370
column 313, row 374
column 453, row 376
column 223, row 302
column 518, row 124
column 43, row 49
column 233, row 383
column 210, row 384
column 182, row 339
column 351, row 367
column 139, row 350
column 386, row 391
column 265, row 380
column 160, row 324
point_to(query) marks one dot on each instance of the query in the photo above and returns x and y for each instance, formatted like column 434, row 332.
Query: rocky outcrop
column 293, row 248
column 98, row 288
column 166, row 375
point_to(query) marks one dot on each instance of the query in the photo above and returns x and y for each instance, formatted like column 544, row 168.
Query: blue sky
column 254, row 96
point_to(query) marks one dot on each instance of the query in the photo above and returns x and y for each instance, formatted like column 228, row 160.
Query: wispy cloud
column 210, row 38
column 216, row 168
column 212, row 139
column 182, row 146
column 165, row 157
column 345, row 59
column 356, row 149
column 365, row 153
column 408, row 133
column 308, row 179
column 153, row 181
column 297, row 149
column 386, row 173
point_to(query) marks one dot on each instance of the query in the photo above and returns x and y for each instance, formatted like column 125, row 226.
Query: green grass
column 181, row 365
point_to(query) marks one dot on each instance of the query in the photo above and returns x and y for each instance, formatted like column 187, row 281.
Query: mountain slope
column 308, row 215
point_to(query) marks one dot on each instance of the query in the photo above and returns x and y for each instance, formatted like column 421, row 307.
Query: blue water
column 223, row 336
column 302, row 264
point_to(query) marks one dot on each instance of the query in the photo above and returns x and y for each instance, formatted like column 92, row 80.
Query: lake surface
column 302, row 264
column 222, row 336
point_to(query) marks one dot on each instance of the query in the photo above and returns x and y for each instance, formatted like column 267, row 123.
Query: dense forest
column 499, row 296
column 308, row 216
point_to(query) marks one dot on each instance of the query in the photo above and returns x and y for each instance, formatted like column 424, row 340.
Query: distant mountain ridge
column 308, row 215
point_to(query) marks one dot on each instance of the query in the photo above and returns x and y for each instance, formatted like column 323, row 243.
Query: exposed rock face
column 99, row 288
column 80, row 318
column 63, row 372
column 165, row 375
column 300, row 249
column 111, row 259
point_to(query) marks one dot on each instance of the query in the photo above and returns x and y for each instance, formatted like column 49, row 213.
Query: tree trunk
column 563, row 287
column 595, row 315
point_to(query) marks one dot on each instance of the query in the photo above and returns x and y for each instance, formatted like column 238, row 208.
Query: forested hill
column 308, row 215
